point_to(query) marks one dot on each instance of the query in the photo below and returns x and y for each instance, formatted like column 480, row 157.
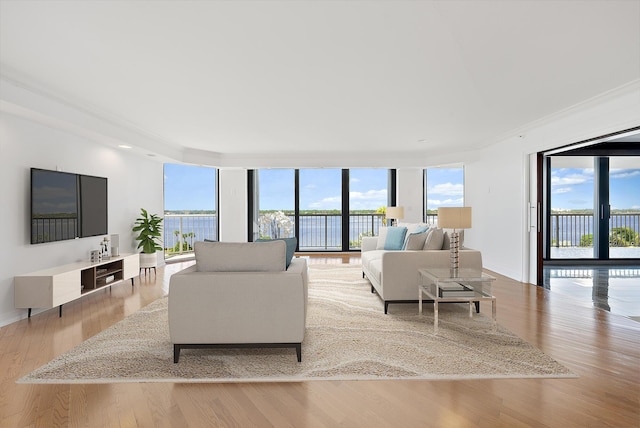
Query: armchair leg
column 299, row 352
column 176, row 353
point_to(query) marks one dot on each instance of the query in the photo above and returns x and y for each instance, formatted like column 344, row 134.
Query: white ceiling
column 270, row 77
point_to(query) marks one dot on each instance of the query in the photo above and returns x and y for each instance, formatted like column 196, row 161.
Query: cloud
column 449, row 189
column 561, row 190
column 371, row 199
column 369, row 195
column 435, row 203
column 570, row 179
column 624, row 173
column 332, row 202
column 354, row 180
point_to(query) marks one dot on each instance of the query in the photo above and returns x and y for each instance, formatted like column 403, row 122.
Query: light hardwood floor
column 603, row 349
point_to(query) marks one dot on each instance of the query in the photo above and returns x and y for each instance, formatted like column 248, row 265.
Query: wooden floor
column 603, row 349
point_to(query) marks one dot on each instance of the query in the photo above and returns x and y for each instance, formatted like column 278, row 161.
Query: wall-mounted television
column 67, row 206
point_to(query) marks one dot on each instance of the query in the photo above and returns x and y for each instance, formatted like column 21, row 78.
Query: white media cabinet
column 56, row 286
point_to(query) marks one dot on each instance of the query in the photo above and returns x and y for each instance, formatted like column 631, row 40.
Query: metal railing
column 576, row 230
column 324, row 231
column 181, row 230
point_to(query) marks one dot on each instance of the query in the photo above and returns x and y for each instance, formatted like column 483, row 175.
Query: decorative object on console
column 454, row 218
column 149, row 227
column 394, row 213
column 115, row 245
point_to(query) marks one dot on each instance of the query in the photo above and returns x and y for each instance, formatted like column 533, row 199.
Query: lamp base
column 454, row 245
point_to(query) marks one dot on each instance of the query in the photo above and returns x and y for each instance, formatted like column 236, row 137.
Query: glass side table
column 465, row 285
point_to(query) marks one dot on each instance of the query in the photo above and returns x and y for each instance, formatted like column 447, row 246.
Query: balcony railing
column 576, row 230
column 181, row 230
column 323, row 232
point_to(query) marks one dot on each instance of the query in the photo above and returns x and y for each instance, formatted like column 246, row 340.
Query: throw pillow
column 415, row 241
column 382, row 236
column 291, row 247
column 415, row 229
column 434, row 240
column 395, row 238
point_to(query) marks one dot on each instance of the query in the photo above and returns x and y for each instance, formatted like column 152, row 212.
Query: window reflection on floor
column 614, row 289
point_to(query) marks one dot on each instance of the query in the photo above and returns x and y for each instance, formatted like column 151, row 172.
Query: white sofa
column 239, row 295
column 394, row 273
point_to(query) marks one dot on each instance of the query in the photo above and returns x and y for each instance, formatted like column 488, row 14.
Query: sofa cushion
column 395, row 238
column 382, row 236
column 434, row 239
column 240, row 256
column 291, row 244
column 415, row 241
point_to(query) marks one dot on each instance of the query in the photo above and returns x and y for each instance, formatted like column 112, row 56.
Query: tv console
column 56, row 286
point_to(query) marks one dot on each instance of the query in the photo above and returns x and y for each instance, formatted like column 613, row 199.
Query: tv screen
column 93, row 206
column 54, row 206
column 67, row 206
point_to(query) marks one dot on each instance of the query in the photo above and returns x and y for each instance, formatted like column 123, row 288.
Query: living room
column 45, row 124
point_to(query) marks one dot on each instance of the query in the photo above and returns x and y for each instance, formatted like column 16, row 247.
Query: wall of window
column 310, row 204
column 443, row 187
column 190, row 207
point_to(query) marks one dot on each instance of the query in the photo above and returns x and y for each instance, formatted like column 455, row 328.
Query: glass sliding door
column 275, row 192
column 624, row 200
column 594, row 207
column 320, row 215
column 571, row 202
column 368, row 197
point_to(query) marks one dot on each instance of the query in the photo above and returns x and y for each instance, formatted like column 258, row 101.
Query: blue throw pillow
column 395, row 238
column 291, row 246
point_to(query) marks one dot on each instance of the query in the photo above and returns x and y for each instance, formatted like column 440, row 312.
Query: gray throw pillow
column 434, row 240
column 415, row 241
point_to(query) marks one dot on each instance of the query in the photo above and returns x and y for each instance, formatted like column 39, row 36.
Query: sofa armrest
column 369, row 243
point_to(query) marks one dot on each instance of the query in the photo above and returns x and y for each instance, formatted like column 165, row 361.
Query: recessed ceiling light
column 124, row 146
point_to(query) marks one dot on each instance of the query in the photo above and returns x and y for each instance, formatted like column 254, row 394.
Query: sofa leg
column 373, row 290
column 176, row 353
column 299, row 352
column 363, row 274
column 386, row 307
column 477, row 307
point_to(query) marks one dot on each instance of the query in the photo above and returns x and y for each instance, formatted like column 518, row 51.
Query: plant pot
column 148, row 260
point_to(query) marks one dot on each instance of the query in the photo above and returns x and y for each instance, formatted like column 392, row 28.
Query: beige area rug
column 348, row 337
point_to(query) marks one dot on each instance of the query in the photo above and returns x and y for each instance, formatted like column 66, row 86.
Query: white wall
column 133, row 182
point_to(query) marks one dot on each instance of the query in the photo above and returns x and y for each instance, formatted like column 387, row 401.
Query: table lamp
column 454, row 218
column 395, row 213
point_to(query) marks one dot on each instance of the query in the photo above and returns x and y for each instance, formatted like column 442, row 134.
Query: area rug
column 348, row 337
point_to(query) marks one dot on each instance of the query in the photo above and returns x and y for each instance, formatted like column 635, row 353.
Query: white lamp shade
column 454, row 217
column 395, row 212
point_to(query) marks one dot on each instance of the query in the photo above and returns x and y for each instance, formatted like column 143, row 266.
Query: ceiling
column 275, row 77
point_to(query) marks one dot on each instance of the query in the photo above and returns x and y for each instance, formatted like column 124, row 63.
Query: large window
column 444, row 187
column 310, row 204
column 190, row 207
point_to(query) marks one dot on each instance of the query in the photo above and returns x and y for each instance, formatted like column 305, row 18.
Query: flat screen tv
column 67, row 206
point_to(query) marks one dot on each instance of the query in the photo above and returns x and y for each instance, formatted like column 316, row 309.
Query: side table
column 474, row 286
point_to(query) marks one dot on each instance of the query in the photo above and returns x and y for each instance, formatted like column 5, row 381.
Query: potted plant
column 149, row 228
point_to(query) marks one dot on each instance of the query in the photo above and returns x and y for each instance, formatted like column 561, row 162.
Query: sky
column 193, row 188
column 572, row 188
